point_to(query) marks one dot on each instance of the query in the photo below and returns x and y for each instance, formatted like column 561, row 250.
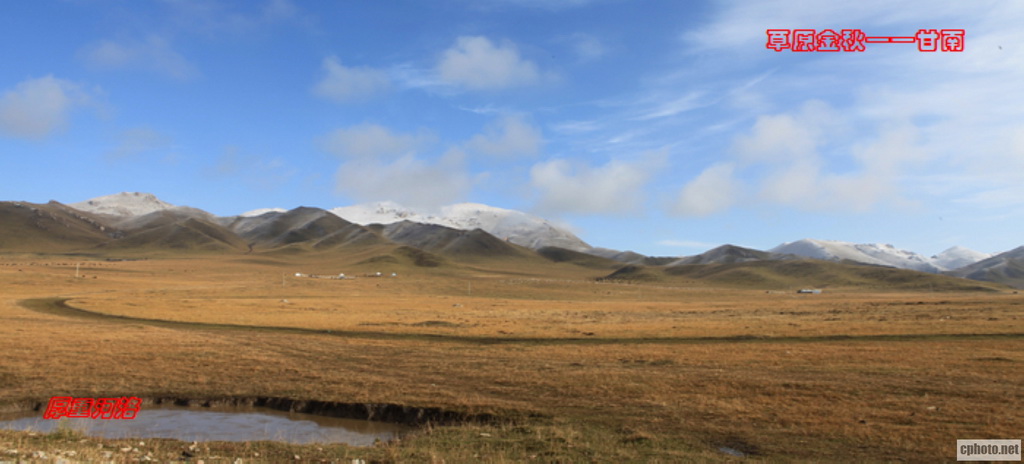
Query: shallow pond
column 219, row 424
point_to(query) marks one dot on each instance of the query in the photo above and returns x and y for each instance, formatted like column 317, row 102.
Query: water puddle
column 219, row 424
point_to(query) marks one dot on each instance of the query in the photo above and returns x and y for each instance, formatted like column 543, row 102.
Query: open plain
column 564, row 367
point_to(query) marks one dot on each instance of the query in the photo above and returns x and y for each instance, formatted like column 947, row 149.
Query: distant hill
column 124, row 204
column 727, row 254
column 1006, row 268
column 562, row 255
column 958, row 257
column 188, row 234
column 799, row 273
column 515, row 226
column 50, row 227
column 404, row 256
column 451, row 242
column 867, row 253
column 314, row 227
column 473, row 236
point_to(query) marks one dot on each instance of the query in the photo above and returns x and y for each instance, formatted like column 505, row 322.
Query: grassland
column 576, row 371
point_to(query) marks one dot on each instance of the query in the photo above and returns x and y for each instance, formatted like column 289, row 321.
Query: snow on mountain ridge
column 880, row 254
column 124, row 204
column 262, row 211
column 958, row 257
column 535, row 232
column 518, row 227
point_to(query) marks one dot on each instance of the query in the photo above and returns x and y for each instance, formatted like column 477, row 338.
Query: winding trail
column 59, row 307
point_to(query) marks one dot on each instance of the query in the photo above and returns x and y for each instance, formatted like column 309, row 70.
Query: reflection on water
column 220, row 424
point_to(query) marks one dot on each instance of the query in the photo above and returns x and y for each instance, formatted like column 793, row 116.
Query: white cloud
column 688, row 102
column 371, row 140
column 343, row 84
column 154, row 53
column 408, row 180
column 786, row 137
column 138, row 140
column 741, row 25
column 35, row 108
column 477, row 63
column 615, row 187
column 219, row 19
column 576, row 127
column 587, row 47
column 279, row 10
column 542, row 4
column 510, row 137
column 806, row 159
column 257, row 172
column 795, row 184
column 714, row 190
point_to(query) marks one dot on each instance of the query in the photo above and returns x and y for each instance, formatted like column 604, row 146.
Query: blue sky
column 664, row 127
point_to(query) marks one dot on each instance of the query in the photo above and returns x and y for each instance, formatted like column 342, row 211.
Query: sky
column 663, row 127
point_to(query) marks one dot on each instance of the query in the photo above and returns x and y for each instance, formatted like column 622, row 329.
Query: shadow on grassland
column 60, row 307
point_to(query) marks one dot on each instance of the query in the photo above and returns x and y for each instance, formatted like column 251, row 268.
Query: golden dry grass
column 583, row 371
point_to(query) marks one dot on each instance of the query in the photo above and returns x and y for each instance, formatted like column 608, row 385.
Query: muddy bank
column 382, row 412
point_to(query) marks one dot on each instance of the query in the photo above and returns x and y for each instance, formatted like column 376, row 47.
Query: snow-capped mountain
column 515, row 226
column 958, row 257
column 524, row 229
column 124, row 204
column 262, row 211
column 869, row 253
column 1007, row 268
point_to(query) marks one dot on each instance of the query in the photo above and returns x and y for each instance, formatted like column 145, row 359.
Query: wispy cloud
column 863, row 132
column 409, row 180
column 235, row 18
column 509, row 137
column 372, row 141
column 154, row 53
column 537, row 4
column 343, row 84
column 714, row 190
column 36, row 108
column 139, row 140
column 688, row 102
column 616, row 187
column 255, row 171
column 586, row 47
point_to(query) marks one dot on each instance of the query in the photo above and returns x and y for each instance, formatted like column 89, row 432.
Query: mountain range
column 128, row 221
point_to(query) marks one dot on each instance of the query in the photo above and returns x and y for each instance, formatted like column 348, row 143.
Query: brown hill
column 312, row 227
column 50, row 227
column 636, row 273
column 452, row 242
column 1005, row 268
column 793, row 274
column 404, row 256
column 156, row 218
column 731, row 254
column 562, row 255
column 189, row 234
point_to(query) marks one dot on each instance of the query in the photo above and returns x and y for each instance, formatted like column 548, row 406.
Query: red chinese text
column 93, row 408
column 854, row 40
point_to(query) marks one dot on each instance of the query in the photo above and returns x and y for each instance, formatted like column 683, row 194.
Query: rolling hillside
column 796, row 274
column 50, row 227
